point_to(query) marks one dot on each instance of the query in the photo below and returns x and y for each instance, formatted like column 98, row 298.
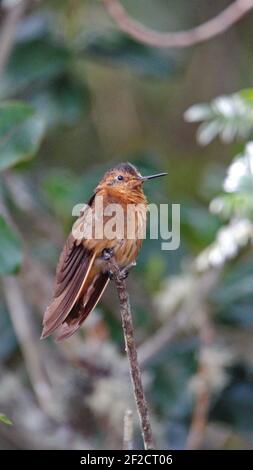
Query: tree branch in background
column 23, row 326
column 8, row 29
column 203, row 393
column 218, row 25
column 21, row 195
column 21, row 320
column 128, row 329
column 128, row 430
column 180, row 318
column 163, row 336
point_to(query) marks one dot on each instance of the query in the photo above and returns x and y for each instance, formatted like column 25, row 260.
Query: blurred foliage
column 10, row 252
column 5, row 420
column 237, row 197
column 21, row 131
column 226, row 116
column 120, row 50
column 76, row 97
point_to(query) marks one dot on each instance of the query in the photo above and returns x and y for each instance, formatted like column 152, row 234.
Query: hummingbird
column 82, row 272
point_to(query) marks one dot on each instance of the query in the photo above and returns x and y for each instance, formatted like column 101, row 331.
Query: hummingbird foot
column 107, row 254
column 123, row 274
column 125, row 271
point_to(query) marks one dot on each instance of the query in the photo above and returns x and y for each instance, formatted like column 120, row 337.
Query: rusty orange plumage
column 82, row 274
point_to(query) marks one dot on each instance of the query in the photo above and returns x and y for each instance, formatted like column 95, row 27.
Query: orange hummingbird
column 82, row 272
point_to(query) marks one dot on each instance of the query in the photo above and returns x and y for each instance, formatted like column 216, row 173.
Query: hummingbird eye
column 120, row 178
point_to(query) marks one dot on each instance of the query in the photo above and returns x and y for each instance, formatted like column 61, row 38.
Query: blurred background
column 76, row 97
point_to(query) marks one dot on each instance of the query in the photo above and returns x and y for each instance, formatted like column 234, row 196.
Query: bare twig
column 217, row 25
column 21, row 320
column 128, row 329
column 163, row 336
column 179, row 319
column 8, row 30
column 199, row 418
column 128, row 430
column 21, row 195
column 203, row 394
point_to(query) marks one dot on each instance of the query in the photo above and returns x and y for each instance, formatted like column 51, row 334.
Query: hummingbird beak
column 144, row 178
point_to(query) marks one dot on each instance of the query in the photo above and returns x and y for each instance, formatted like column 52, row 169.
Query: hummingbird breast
column 124, row 234
column 126, row 251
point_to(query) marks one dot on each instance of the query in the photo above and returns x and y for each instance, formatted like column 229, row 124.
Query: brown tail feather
column 85, row 306
column 69, row 296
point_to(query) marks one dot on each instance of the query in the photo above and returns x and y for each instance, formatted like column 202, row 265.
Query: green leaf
column 21, row 131
column 4, row 419
column 10, row 249
column 208, row 131
column 198, row 112
column 229, row 117
column 31, row 64
column 247, row 94
column 240, row 173
column 63, row 102
column 40, row 69
column 237, row 204
column 236, row 199
column 122, row 50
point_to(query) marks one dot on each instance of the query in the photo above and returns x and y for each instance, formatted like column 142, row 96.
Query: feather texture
column 81, row 275
column 85, row 305
column 73, row 269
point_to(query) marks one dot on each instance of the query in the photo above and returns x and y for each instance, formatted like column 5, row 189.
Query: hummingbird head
column 125, row 177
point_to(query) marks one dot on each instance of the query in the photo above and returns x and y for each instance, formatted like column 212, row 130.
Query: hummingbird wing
column 96, row 284
column 73, row 269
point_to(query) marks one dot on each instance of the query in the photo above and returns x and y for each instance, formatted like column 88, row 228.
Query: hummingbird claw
column 125, row 271
column 107, row 253
column 123, row 274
